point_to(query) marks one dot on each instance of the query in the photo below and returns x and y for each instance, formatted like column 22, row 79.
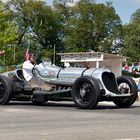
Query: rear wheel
column 37, row 103
column 39, row 98
column 5, row 90
column 126, row 85
column 86, row 92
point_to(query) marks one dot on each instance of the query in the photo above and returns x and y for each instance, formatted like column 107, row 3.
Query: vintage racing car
column 85, row 86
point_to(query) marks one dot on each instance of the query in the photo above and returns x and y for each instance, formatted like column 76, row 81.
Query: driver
column 28, row 67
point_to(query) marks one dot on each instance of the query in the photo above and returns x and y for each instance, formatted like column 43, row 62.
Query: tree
column 39, row 25
column 8, row 33
column 135, row 17
column 86, row 29
column 132, row 38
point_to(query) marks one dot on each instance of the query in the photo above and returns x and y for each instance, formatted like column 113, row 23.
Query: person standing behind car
column 134, row 68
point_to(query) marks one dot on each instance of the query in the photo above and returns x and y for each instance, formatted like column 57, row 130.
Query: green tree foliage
column 86, row 29
column 132, row 38
column 39, row 25
column 35, row 25
column 63, row 10
column 135, row 17
column 8, row 34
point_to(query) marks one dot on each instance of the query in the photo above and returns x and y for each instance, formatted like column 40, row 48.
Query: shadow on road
column 100, row 106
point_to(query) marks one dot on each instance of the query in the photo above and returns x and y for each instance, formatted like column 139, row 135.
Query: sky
column 124, row 8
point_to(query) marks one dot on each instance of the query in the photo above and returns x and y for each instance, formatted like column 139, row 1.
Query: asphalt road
column 63, row 121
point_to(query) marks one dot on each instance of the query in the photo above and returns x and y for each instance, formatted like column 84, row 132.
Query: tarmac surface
column 63, row 121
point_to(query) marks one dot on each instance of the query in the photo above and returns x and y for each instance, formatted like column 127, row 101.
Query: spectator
column 138, row 66
column 134, row 68
column 139, row 85
column 126, row 67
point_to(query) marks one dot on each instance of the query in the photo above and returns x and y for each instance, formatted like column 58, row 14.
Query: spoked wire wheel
column 124, row 88
column 126, row 85
column 85, row 93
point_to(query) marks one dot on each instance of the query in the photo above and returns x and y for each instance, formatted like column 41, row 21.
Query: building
column 94, row 59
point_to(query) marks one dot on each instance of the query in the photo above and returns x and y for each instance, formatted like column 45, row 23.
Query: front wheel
column 86, row 92
column 126, row 85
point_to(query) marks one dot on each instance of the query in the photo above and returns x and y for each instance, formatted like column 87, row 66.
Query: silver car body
column 67, row 76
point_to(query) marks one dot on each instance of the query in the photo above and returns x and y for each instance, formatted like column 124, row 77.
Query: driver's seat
column 19, row 74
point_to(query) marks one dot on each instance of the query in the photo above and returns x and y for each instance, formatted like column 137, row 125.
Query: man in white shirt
column 28, row 67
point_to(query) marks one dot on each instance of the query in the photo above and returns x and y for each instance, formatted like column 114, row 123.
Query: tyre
column 126, row 85
column 86, row 92
column 39, row 98
column 5, row 90
column 37, row 103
